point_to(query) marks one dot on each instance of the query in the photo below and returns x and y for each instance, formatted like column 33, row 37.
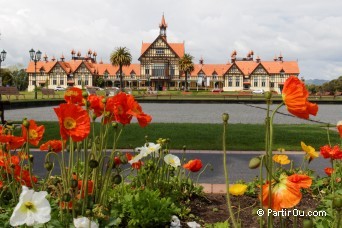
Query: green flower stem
column 261, row 182
column 235, row 225
column 269, row 124
column 328, row 134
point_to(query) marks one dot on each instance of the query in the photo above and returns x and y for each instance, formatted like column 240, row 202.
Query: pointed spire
column 163, row 27
column 163, row 23
column 45, row 57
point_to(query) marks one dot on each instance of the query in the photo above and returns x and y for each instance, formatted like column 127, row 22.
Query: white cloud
column 305, row 30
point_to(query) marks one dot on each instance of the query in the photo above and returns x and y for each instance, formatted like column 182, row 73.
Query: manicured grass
column 209, row 136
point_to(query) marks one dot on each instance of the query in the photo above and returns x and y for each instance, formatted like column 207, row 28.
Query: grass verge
column 244, row 137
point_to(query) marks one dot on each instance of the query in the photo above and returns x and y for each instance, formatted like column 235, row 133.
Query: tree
column 18, row 76
column 187, row 66
column 121, row 57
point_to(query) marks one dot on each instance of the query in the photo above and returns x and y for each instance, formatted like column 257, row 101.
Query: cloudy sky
column 309, row 31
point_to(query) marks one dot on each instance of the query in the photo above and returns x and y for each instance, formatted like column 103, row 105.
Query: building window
column 147, row 70
column 172, row 71
column 263, row 82
column 86, row 82
column 132, row 76
column 61, row 82
column 282, row 74
column 54, row 82
column 79, row 82
column 230, row 82
column 237, row 82
column 158, row 69
column 272, row 84
column 214, row 76
column 33, row 82
column 159, row 51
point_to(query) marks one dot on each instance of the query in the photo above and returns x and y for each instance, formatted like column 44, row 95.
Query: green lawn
column 209, row 136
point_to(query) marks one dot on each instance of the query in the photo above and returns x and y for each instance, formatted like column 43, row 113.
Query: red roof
column 178, row 48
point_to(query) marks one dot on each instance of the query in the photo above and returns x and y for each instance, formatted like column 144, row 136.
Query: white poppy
column 193, row 225
column 84, row 222
column 175, row 222
column 148, row 148
column 172, row 160
column 33, row 208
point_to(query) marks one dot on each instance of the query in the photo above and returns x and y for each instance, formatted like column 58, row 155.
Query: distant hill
column 315, row 81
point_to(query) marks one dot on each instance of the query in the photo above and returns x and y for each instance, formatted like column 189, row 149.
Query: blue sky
column 307, row 31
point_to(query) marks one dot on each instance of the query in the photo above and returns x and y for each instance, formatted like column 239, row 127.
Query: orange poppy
column 52, row 145
column 339, row 128
column 74, row 122
column 334, row 152
column 90, row 187
column 136, row 110
column 73, row 95
column 328, row 171
column 296, row 96
column 193, row 165
column 286, row 192
column 96, row 104
column 118, row 106
column 35, row 133
column 12, row 142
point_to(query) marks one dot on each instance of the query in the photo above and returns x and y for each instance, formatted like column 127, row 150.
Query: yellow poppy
column 237, row 189
column 281, row 159
column 310, row 151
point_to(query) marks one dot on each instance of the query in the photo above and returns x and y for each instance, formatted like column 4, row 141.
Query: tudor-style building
column 159, row 69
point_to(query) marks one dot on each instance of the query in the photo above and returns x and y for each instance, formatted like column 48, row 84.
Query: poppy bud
column 93, row 164
column 254, row 163
column 104, row 100
column 307, row 223
column 26, row 123
column 117, row 179
column 31, row 158
column 225, row 117
column 48, row 166
column 74, row 183
column 115, row 125
column 123, row 159
column 66, row 197
column 93, row 117
column 268, row 95
column 337, row 203
column 84, row 94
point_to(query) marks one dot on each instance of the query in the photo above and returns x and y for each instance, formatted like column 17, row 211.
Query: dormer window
column 214, row 76
column 132, row 75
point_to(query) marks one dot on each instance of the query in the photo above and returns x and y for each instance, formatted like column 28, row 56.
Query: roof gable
column 176, row 48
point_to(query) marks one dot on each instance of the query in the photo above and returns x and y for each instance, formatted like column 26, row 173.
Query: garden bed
column 212, row 208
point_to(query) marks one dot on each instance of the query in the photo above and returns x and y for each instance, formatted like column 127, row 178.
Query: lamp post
column 35, row 57
column 2, row 58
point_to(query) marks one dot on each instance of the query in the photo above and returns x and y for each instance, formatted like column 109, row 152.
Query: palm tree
column 187, row 66
column 121, row 57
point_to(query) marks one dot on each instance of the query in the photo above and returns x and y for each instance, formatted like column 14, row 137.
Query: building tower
column 163, row 27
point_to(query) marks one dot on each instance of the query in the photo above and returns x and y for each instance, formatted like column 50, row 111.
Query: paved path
column 201, row 113
column 237, row 164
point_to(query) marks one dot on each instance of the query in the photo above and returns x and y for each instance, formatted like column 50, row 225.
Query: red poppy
column 12, row 142
column 136, row 110
column 73, row 95
column 1, row 184
column 339, row 128
column 52, row 145
column 334, row 152
column 23, row 176
column 73, row 122
column 328, row 171
column 96, row 104
column 296, row 96
column 117, row 160
column 65, row 205
column 193, row 165
column 35, row 133
column 285, row 193
column 135, row 165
